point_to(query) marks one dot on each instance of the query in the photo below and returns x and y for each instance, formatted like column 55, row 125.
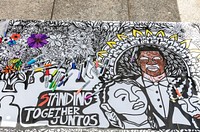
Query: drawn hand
column 197, row 116
column 112, row 116
column 188, row 105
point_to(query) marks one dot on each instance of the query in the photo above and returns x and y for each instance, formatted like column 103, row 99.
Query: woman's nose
column 133, row 97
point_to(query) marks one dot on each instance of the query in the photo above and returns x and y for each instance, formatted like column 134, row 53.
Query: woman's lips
column 138, row 105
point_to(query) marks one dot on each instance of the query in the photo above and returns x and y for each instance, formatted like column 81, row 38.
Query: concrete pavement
column 154, row 10
column 108, row 10
column 26, row 9
column 189, row 10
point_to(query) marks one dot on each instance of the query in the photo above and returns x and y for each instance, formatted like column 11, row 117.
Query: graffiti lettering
column 46, row 98
column 65, row 98
column 76, row 120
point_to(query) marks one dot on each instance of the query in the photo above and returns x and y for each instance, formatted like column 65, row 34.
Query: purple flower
column 37, row 40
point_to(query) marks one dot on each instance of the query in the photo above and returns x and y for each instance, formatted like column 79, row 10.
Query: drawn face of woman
column 127, row 99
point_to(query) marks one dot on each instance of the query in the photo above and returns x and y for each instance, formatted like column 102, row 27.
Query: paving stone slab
column 154, row 10
column 26, row 9
column 91, row 10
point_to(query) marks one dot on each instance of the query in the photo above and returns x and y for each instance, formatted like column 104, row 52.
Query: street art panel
column 82, row 75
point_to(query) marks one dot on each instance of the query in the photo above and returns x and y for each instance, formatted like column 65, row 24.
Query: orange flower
column 15, row 36
column 8, row 69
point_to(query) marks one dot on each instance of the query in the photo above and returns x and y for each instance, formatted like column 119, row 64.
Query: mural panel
column 107, row 76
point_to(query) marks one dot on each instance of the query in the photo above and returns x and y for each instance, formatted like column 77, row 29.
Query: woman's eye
column 123, row 98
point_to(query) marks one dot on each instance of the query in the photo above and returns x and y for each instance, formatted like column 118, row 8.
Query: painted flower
column 16, row 62
column 11, row 42
column 1, row 39
column 8, row 69
column 37, row 40
column 15, row 36
column 56, row 40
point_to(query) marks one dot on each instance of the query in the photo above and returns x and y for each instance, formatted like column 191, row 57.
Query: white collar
column 148, row 83
column 154, row 79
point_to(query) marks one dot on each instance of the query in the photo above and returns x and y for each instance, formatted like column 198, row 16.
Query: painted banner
column 99, row 76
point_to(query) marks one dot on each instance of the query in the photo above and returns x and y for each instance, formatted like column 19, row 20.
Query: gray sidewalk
column 107, row 10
